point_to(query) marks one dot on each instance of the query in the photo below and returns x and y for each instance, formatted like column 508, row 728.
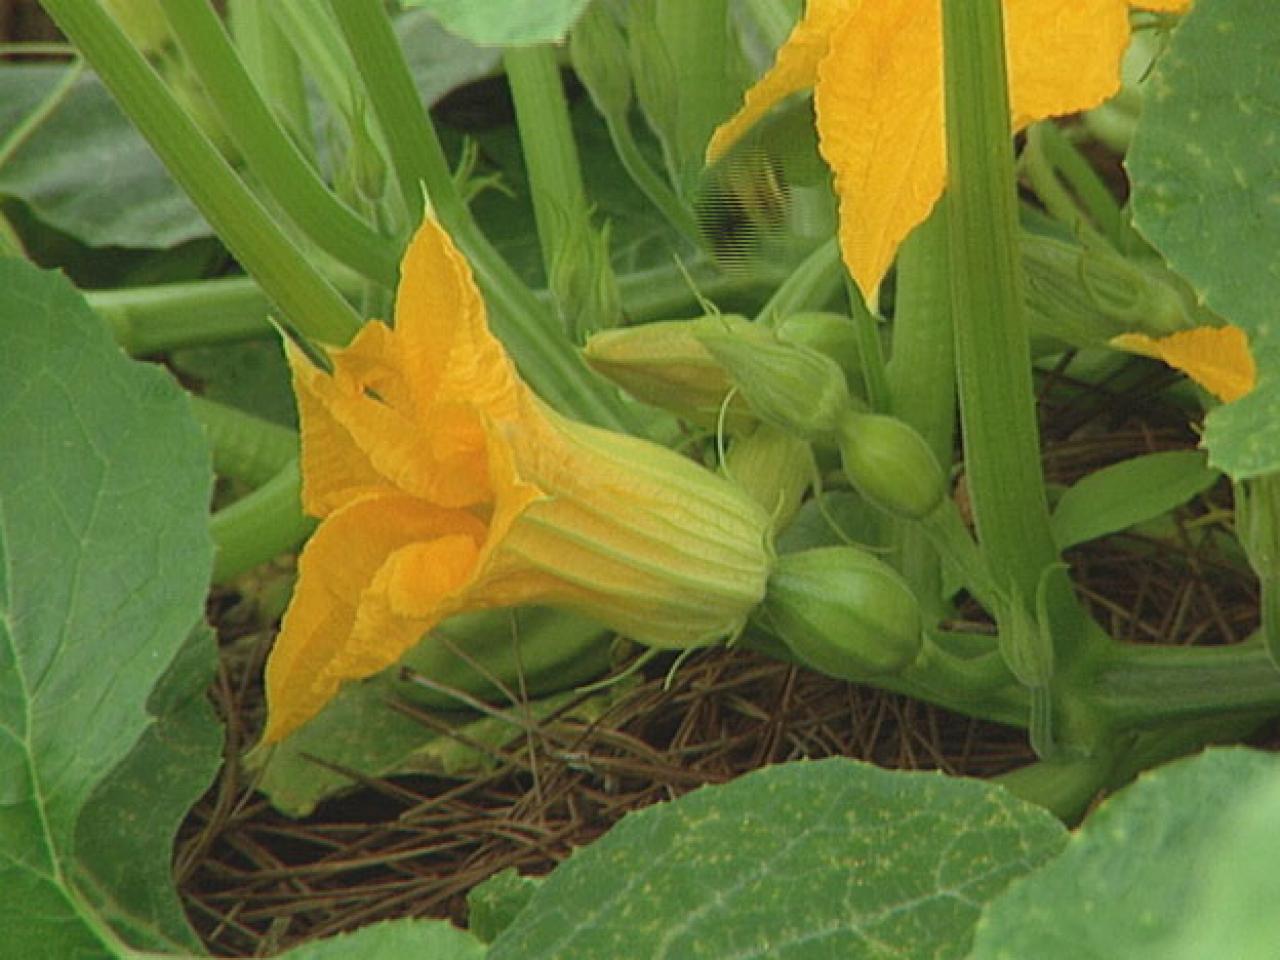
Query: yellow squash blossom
column 1217, row 358
column 876, row 70
column 445, row 485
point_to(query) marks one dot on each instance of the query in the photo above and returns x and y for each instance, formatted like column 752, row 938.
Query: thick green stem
column 305, row 298
column 1064, row 787
column 262, row 525
column 271, row 155
column 154, row 319
column 539, row 346
column 1001, row 440
column 922, row 380
column 246, row 448
column 546, row 140
column 274, row 66
column 1145, row 686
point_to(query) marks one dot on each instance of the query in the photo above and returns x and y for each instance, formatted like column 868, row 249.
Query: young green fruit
column 844, row 612
column 890, row 464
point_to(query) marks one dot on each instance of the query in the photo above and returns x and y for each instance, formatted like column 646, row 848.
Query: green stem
column 1057, row 199
column 874, row 370
column 546, row 140
column 1064, row 787
column 1133, row 686
column 810, row 285
column 303, row 295
column 245, row 448
column 1001, row 440
column 262, row 525
column 275, row 68
column 149, row 320
column 950, row 539
column 271, row 155
column 922, row 381
column 154, row 319
column 541, row 349
column 648, row 180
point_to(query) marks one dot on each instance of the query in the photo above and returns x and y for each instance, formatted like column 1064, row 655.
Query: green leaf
column 1179, row 865
column 86, row 170
column 832, row 858
column 1204, row 194
column 105, row 737
column 1121, row 495
column 495, row 903
column 503, row 23
column 394, row 940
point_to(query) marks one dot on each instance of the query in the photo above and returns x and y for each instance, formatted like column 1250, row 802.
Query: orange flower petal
column 335, row 470
column 1063, row 57
column 795, row 68
column 1217, row 358
column 879, row 106
column 442, row 337
column 437, row 454
column 336, row 573
column 1162, row 6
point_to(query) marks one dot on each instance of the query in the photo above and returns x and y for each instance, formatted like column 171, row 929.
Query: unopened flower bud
column 582, row 280
column 795, row 388
column 890, row 464
column 832, row 335
column 844, row 612
column 664, row 364
column 775, row 468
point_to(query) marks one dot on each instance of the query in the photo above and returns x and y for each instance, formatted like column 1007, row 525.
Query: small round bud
column 844, row 612
column 890, row 464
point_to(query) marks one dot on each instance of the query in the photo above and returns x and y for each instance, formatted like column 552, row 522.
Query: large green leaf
column 1179, row 866
column 105, row 736
column 832, row 858
column 1204, row 193
column 502, row 23
column 1127, row 493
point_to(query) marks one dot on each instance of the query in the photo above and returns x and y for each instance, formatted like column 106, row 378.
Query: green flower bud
column 844, row 612
column 666, row 365
column 582, row 280
column 795, row 388
column 831, row 334
column 775, row 468
column 890, row 464
column 368, row 169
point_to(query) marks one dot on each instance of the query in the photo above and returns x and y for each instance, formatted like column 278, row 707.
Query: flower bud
column 582, row 280
column 832, row 335
column 795, row 388
column 775, row 468
column 664, row 364
column 890, row 464
column 842, row 611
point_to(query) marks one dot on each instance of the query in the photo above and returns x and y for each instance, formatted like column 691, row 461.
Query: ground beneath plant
column 255, row 882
